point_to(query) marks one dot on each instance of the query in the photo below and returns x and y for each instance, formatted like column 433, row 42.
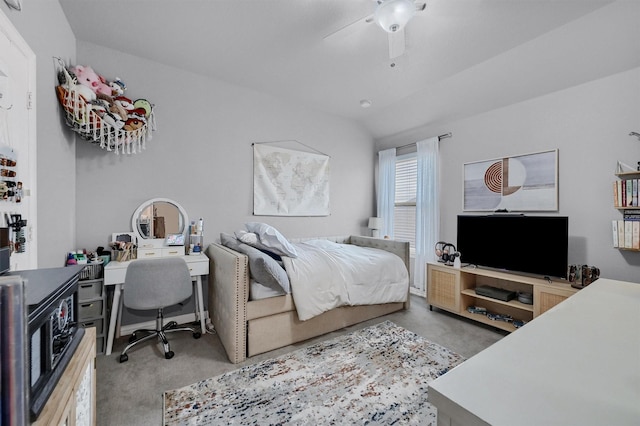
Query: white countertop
column 577, row 364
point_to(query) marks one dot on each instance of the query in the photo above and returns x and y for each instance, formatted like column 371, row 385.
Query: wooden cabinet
column 453, row 290
column 444, row 289
column 548, row 297
column 73, row 401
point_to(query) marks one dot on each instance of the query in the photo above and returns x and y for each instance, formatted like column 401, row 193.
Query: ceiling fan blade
column 351, row 28
column 396, row 44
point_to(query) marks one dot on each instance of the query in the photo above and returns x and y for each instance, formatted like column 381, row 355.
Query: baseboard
column 180, row 319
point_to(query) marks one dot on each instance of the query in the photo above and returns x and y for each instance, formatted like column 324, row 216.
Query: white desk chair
column 156, row 284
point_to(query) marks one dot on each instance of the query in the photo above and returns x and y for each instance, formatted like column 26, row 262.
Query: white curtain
column 386, row 190
column 427, row 208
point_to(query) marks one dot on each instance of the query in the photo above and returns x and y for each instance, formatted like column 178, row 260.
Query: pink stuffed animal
column 88, row 77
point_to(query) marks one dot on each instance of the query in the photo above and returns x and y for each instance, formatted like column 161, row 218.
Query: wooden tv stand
column 453, row 289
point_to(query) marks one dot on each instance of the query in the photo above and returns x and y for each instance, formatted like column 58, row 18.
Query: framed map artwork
column 287, row 182
column 526, row 182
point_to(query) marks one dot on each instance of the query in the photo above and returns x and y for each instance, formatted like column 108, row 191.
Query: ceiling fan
column 390, row 15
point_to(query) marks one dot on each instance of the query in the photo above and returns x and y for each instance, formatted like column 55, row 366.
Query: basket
column 83, row 120
column 124, row 255
column 92, row 271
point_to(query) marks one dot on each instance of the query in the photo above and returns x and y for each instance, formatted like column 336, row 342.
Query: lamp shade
column 393, row 15
column 375, row 223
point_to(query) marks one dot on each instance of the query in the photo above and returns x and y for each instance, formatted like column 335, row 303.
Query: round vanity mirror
column 156, row 219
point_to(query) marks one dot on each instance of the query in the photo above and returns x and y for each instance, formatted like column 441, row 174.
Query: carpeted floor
column 377, row 376
column 132, row 393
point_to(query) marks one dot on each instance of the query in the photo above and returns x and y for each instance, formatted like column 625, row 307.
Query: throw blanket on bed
column 326, row 275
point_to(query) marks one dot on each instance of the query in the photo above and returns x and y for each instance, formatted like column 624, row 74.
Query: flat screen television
column 535, row 245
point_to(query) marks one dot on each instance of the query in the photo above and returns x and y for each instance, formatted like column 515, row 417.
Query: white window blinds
column 404, row 223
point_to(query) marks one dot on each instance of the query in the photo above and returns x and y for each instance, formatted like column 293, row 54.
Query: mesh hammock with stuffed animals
column 86, row 120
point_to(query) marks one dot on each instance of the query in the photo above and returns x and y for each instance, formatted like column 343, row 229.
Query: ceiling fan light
column 393, row 15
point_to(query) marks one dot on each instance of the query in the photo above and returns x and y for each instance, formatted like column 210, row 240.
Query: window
column 404, row 217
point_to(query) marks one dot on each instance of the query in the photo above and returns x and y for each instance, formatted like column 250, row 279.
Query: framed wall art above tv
column 527, row 182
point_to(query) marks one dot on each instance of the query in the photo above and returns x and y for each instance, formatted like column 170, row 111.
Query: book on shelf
column 620, row 193
column 628, row 234
column 631, row 220
column 620, row 233
column 615, row 233
column 625, row 193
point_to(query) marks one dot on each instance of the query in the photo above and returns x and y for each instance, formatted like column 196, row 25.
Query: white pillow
column 271, row 239
column 252, row 239
column 247, row 237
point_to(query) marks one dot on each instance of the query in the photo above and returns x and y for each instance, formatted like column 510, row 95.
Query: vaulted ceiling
column 462, row 57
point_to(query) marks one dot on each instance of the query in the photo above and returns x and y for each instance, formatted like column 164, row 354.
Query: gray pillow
column 262, row 267
column 271, row 239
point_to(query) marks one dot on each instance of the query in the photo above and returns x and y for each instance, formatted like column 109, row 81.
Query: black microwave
column 53, row 333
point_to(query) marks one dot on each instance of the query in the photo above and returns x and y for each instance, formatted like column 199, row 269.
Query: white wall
column 201, row 155
column 589, row 124
column 44, row 27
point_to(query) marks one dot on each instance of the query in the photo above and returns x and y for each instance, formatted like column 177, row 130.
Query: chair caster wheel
column 197, row 335
column 169, row 355
column 124, row 358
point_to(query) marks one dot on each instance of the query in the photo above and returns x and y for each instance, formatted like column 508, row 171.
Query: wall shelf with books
column 626, row 199
column 625, row 191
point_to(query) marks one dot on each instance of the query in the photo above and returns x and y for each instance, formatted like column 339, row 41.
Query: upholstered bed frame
column 247, row 328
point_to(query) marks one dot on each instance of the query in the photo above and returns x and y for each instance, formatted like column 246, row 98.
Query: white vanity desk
column 115, row 272
column 174, row 220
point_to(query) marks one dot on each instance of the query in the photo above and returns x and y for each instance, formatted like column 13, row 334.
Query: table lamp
column 375, row 224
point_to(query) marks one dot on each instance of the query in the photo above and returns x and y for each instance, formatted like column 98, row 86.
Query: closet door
column 18, row 145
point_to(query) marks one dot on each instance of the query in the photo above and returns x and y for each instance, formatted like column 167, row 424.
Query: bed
column 247, row 327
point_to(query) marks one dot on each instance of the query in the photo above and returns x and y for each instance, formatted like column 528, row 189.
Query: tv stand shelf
column 453, row 289
column 512, row 303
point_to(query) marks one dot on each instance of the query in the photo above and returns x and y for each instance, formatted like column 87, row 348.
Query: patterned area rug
column 377, row 375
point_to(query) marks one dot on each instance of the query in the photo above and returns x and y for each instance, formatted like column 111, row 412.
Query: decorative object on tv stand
column 97, row 110
column 375, row 224
column 581, row 276
column 446, row 253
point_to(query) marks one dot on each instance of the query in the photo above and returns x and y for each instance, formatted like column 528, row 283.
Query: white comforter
column 326, row 275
